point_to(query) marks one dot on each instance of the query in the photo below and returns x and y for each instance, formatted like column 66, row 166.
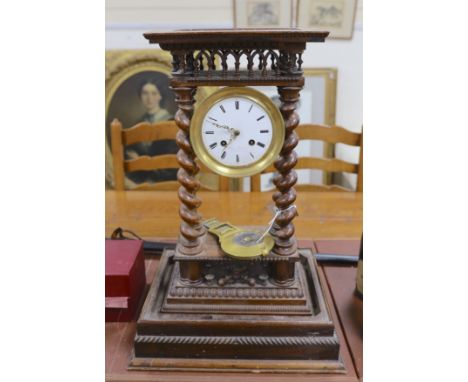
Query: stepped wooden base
column 237, row 365
column 244, row 322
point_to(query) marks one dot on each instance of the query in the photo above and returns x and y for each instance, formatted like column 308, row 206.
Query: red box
column 125, row 279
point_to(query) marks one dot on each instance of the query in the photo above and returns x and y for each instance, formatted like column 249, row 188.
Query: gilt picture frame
column 319, row 107
column 263, row 13
column 335, row 16
column 128, row 74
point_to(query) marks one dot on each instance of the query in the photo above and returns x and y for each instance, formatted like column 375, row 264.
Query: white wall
column 127, row 20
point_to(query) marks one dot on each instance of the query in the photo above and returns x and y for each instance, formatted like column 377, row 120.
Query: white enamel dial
column 237, row 131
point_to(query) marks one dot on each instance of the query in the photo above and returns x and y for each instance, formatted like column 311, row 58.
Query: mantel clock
column 233, row 298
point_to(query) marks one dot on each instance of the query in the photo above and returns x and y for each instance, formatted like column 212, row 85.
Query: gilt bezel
column 237, row 171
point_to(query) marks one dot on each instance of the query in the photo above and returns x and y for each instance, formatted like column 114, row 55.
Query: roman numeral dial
column 237, row 132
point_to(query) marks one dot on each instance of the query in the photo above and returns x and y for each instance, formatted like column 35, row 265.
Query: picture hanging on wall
column 138, row 90
column 335, row 16
column 262, row 13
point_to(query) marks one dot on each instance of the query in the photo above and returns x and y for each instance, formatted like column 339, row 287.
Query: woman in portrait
column 150, row 98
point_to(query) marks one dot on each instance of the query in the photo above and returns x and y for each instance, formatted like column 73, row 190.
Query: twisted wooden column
column 285, row 179
column 191, row 229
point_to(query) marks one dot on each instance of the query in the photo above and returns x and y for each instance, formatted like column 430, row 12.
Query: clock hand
column 231, row 130
column 234, row 134
column 221, row 126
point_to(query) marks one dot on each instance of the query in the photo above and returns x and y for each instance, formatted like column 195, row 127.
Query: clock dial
column 237, row 131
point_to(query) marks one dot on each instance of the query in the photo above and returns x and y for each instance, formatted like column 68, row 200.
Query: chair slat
column 330, row 134
column 330, row 165
column 146, row 162
column 270, row 168
column 145, row 131
column 320, row 188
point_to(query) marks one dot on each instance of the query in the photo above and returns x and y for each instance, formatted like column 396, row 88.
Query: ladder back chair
column 330, row 134
column 146, row 132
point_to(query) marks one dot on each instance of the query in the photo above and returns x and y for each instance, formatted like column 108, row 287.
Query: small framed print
column 335, row 16
column 262, row 13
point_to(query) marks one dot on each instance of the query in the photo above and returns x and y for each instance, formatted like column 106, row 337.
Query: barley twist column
column 191, row 229
column 286, row 177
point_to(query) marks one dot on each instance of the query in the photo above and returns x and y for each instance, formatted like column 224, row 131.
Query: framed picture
column 262, row 13
column 335, row 16
column 317, row 105
column 137, row 90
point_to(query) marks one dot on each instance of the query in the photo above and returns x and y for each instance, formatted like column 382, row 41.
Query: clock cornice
column 213, row 57
column 273, row 38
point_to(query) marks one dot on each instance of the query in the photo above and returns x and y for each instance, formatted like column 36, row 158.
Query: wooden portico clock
column 232, row 298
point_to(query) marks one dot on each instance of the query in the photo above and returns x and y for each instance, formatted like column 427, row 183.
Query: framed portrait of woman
column 138, row 90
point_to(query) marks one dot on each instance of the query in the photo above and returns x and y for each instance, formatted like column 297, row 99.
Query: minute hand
column 221, row 126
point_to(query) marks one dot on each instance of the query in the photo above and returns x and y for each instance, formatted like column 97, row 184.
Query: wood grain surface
column 270, row 37
column 324, row 215
column 342, row 282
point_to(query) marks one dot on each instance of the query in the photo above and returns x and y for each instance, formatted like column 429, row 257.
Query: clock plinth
column 240, row 326
column 206, row 310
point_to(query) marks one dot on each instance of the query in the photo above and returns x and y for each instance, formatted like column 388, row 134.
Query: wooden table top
column 322, row 215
